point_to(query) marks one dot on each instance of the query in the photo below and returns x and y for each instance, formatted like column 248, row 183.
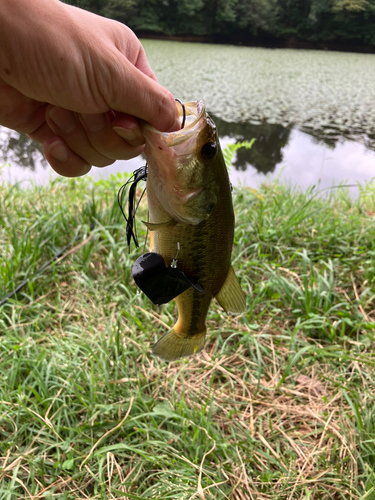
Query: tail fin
column 172, row 346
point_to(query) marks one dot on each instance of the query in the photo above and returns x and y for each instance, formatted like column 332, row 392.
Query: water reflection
column 329, row 137
column 289, row 153
column 20, row 150
column 264, row 156
column 266, row 151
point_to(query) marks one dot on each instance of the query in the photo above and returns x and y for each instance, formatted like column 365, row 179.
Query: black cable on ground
column 44, row 266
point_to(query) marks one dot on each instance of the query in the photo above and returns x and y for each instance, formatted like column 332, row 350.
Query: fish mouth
column 194, row 111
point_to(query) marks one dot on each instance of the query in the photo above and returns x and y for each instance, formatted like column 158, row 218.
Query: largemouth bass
column 191, row 217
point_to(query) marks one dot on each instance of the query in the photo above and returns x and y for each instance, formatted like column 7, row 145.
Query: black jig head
column 161, row 284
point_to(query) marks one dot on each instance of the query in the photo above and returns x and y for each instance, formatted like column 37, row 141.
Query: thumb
column 139, row 95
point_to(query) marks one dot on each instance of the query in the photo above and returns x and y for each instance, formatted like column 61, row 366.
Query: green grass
column 280, row 405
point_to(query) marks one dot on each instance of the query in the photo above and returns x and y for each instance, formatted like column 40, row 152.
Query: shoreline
column 268, row 43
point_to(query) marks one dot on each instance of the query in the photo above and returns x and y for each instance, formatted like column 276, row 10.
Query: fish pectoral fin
column 173, row 346
column 154, row 227
column 231, row 297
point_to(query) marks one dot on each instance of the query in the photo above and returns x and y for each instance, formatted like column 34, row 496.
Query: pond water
column 312, row 112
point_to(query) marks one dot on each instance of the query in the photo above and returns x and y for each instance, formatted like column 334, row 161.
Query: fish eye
column 208, row 150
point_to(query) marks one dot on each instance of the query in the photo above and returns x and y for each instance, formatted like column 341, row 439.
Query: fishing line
column 43, row 267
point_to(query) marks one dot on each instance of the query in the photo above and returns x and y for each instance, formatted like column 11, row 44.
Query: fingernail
column 58, row 151
column 94, row 123
column 131, row 136
column 64, row 119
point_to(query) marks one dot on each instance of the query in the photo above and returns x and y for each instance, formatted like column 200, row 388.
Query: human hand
column 77, row 83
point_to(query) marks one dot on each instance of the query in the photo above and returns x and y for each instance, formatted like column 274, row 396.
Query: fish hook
column 183, row 112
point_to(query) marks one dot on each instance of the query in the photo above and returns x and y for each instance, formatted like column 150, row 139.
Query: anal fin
column 231, row 297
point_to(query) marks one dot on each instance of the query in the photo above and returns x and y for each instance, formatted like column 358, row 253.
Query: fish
column 191, row 223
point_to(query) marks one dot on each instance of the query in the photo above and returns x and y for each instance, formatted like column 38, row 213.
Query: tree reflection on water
column 19, row 149
column 266, row 153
